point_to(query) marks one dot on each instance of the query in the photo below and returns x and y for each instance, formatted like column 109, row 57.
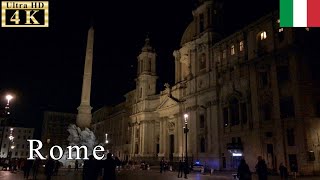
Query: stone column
column 142, row 149
column 133, row 139
column 192, row 135
column 280, row 146
column 177, row 56
column 209, row 129
column 215, row 126
column 84, row 110
column 176, row 137
column 161, row 140
column 180, row 135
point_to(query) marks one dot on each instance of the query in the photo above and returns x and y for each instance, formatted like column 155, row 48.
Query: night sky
column 43, row 67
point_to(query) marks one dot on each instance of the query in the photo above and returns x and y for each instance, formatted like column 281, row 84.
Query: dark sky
column 43, row 66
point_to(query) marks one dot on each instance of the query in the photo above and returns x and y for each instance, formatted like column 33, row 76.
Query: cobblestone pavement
column 136, row 175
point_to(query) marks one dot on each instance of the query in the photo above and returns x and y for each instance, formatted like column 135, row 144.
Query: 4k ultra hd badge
column 24, row 14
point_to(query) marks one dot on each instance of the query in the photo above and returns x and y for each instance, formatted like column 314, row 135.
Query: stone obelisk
column 84, row 110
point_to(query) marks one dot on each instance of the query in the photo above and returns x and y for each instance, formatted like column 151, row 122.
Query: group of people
column 182, row 169
column 244, row 172
column 92, row 168
column 29, row 165
column 51, row 168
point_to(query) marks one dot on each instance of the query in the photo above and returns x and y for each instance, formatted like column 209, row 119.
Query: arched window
column 261, row 45
column 202, row 145
column 149, row 65
column 234, row 111
column 232, row 50
column 263, row 35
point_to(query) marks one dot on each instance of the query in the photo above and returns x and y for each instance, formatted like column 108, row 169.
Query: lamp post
column 106, row 143
column 107, row 139
column 11, row 143
column 3, row 123
column 186, row 130
column 48, row 146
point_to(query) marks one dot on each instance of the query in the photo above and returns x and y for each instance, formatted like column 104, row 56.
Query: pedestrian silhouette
column 186, row 169
column 283, row 172
column 27, row 165
column 49, row 168
column 56, row 168
column 180, row 170
column 261, row 169
column 244, row 172
column 162, row 165
column 294, row 169
column 35, row 167
column 109, row 168
column 91, row 169
column 76, row 165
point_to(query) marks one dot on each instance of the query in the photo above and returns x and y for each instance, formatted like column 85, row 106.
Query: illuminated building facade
column 249, row 94
column 17, row 146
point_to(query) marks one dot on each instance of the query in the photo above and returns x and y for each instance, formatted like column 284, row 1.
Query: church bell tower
column 146, row 71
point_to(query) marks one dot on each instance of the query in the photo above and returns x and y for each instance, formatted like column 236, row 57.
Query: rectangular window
column 241, row 46
column 293, row 162
column 287, row 107
column 269, row 134
column 290, row 137
column 244, row 116
column 280, row 35
column 233, row 51
column 225, row 117
column 270, row 148
column 224, row 54
column 202, row 121
column 311, row 156
column 263, row 35
column 266, row 112
column 283, row 74
column 264, row 79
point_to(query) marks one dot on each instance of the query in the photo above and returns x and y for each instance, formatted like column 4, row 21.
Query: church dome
column 188, row 34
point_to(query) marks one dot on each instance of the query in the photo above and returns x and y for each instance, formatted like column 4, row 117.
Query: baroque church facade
column 249, row 94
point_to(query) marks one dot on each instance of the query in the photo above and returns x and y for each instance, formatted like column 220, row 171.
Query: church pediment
column 168, row 102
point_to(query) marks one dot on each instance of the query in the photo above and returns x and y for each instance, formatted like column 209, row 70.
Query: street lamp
column 3, row 123
column 107, row 139
column 9, row 97
column 186, row 130
column 11, row 143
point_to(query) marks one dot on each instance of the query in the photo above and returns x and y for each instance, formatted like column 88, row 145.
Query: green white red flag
column 300, row 13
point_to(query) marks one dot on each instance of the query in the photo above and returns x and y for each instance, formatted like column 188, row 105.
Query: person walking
column 283, row 172
column 186, row 169
column 161, row 165
column 109, row 168
column 294, row 169
column 91, row 169
column 56, row 168
column 261, row 169
column 244, row 172
column 76, row 165
column 35, row 168
column 180, row 169
column 27, row 165
column 49, row 168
